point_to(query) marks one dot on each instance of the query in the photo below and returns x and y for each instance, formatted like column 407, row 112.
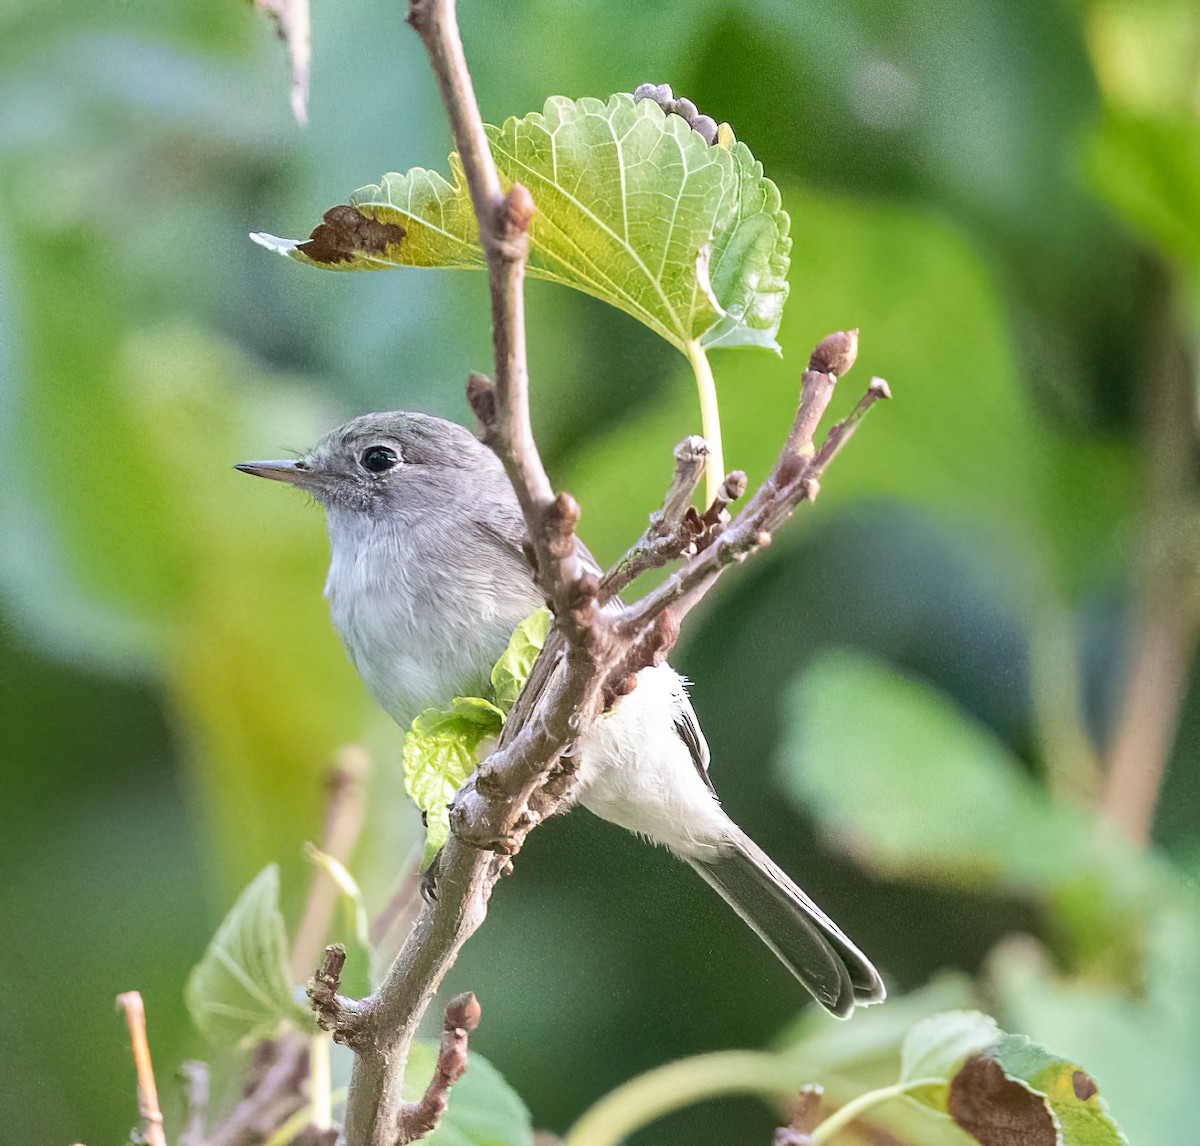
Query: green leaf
column 441, row 748
column 1016, row 1091
column 356, row 976
column 937, row 1047
column 240, row 991
column 1144, row 1043
column 633, row 208
column 348, row 885
column 512, row 670
column 923, row 775
column 938, row 798
column 1149, row 169
column 1069, row 1091
column 483, row 1110
column 440, row 751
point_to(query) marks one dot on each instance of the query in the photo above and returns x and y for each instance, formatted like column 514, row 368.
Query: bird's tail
column 803, row 937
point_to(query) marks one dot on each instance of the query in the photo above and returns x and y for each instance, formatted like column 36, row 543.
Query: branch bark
column 592, row 655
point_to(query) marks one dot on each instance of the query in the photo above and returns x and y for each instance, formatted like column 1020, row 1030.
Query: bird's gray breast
column 423, row 607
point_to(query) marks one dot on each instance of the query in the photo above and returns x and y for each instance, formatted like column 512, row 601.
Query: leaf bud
column 687, row 109
column 706, row 127
column 835, row 353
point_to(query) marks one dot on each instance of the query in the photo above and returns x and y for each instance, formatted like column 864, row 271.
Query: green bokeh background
column 1004, row 196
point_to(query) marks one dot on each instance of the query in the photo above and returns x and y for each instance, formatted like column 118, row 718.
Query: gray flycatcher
column 427, row 580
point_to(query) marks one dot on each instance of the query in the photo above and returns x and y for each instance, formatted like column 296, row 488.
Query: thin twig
column 794, row 478
column 344, row 813
column 341, row 1016
column 669, row 533
column 195, row 1090
column 803, row 1119
column 419, row 1119
column 130, row 1002
column 1166, row 617
column 274, row 1090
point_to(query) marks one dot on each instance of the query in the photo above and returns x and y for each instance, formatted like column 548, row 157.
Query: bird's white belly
column 636, row 772
column 419, row 639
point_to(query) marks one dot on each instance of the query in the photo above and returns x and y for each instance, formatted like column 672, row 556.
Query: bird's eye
column 379, row 459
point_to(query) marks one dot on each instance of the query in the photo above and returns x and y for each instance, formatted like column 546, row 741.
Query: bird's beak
column 294, row 473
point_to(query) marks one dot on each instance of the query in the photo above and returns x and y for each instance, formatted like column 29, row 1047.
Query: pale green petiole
column 856, row 1107
column 648, row 1097
column 321, row 1081
column 643, row 1099
column 710, row 419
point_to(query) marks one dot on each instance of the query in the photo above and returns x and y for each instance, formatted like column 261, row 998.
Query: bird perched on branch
column 427, row 581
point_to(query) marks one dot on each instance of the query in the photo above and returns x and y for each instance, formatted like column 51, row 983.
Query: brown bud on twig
column 325, row 984
column 481, row 394
column 518, row 211
column 560, row 518
column 733, row 486
column 418, row 1119
column 462, row 1012
column 835, row 353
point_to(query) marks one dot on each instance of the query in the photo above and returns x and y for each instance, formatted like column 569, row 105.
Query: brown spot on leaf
column 1083, row 1086
column 995, row 1110
column 346, row 232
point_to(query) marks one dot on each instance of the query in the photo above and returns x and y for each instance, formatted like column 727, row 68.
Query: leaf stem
column 853, row 1109
column 710, row 419
column 321, row 1082
column 658, row 1092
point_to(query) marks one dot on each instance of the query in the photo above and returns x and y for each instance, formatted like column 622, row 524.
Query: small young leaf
column 348, row 885
column 239, row 991
column 440, row 752
column 512, row 670
column 937, row 1047
column 483, row 1110
column 633, row 208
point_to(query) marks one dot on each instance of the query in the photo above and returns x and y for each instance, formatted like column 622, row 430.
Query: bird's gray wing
column 687, row 728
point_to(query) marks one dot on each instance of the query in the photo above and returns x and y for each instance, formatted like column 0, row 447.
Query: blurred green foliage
column 1003, row 196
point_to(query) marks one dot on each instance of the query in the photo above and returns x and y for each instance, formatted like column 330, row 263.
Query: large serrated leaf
column 483, row 1110
column 633, row 207
column 239, row 991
